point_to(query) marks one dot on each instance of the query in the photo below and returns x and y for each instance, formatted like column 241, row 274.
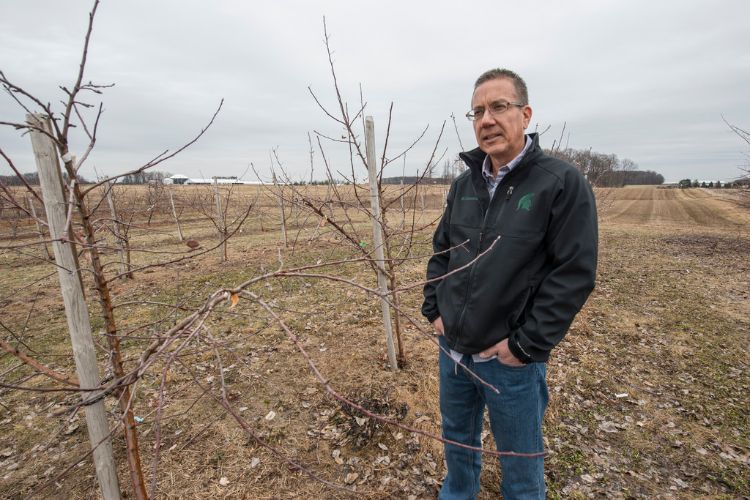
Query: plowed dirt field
column 663, row 206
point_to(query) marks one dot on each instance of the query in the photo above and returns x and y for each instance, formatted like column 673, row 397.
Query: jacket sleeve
column 438, row 264
column 571, row 248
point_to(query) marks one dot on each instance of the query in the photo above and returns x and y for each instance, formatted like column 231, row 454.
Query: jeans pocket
column 511, row 367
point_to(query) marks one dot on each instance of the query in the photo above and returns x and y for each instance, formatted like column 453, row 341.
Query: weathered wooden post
column 16, row 222
column 117, row 229
column 281, row 208
column 377, row 237
column 176, row 219
column 76, row 310
column 221, row 222
column 401, row 198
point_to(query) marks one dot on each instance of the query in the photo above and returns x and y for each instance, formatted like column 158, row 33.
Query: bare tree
column 744, row 180
column 342, row 214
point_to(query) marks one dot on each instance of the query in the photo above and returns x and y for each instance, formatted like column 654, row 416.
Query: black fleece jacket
column 519, row 266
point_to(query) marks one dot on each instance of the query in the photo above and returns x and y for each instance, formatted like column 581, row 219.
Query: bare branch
column 77, row 86
column 39, row 367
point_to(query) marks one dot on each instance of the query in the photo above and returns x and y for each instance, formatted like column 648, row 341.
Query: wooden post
column 76, row 310
column 16, row 222
column 221, row 221
column 282, row 209
column 174, row 214
column 377, row 236
column 401, row 198
column 39, row 227
column 118, row 232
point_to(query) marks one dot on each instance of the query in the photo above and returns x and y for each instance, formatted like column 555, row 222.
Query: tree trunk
column 123, row 395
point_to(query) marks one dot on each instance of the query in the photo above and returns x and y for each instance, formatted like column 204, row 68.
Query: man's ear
column 527, row 112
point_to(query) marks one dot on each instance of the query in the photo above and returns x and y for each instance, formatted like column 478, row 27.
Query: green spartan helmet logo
column 525, row 202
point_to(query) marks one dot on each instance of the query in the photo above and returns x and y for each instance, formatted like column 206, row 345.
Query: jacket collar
column 476, row 156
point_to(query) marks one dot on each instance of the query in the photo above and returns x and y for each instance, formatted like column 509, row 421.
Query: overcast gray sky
column 645, row 80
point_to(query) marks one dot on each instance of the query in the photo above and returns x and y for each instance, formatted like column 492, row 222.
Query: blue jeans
column 516, row 416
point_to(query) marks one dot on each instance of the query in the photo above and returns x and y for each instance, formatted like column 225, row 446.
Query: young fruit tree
column 72, row 223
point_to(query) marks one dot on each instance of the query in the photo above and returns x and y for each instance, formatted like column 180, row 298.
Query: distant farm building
column 182, row 179
column 176, row 179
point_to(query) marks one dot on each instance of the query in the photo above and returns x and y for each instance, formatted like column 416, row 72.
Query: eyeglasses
column 496, row 108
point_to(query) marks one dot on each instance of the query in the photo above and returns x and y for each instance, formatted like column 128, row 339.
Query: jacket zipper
column 508, row 194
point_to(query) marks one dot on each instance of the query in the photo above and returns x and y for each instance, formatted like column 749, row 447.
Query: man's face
column 501, row 136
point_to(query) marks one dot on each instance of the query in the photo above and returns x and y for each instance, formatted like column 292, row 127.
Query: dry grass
column 667, row 326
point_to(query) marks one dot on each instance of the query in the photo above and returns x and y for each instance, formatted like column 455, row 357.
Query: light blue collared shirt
column 492, row 183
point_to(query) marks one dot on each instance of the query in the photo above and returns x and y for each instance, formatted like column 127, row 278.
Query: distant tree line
column 602, row 170
column 145, row 177
column 32, row 179
column 695, row 183
column 413, row 180
column 606, row 170
column 619, row 178
column 324, row 182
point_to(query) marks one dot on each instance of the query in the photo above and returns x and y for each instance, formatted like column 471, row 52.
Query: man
column 517, row 245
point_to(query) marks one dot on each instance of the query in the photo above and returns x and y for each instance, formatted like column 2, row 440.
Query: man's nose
column 486, row 119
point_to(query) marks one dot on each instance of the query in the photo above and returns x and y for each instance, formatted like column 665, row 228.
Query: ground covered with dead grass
column 649, row 391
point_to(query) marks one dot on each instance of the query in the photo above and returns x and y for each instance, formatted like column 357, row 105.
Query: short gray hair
column 520, row 86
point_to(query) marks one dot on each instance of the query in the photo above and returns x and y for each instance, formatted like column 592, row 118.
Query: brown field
column 649, row 391
column 689, row 207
